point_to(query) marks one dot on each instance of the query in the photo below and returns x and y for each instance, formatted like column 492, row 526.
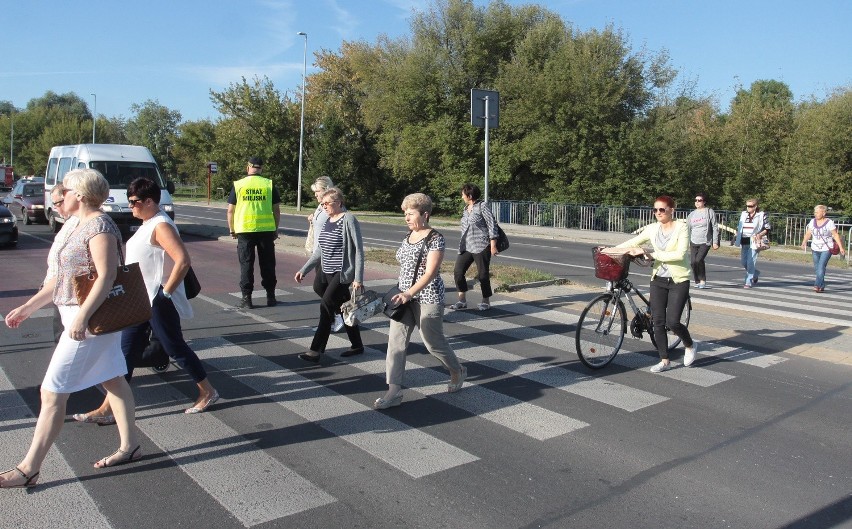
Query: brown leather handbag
column 127, row 303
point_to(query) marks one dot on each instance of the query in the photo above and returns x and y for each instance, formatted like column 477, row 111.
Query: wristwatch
column 167, row 295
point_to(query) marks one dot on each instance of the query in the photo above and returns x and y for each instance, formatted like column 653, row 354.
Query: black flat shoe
column 308, row 358
column 352, row 352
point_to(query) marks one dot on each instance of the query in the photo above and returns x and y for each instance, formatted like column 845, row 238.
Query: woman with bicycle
column 669, row 277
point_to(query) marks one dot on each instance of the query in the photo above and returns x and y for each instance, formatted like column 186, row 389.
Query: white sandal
column 484, row 306
column 459, row 305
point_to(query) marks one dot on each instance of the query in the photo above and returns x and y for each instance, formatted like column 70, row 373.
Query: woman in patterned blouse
column 477, row 244
column 422, row 289
column 80, row 360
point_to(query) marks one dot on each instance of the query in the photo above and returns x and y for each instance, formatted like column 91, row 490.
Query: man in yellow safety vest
column 253, row 218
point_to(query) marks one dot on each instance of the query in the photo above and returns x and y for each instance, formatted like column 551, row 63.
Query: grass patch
column 502, row 276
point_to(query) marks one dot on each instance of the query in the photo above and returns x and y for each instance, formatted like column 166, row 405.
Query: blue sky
column 176, row 51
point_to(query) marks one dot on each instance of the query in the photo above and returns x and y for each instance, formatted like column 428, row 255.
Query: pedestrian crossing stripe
column 499, row 408
column 401, row 446
column 707, row 348
column 79, row 509
column 256, row 488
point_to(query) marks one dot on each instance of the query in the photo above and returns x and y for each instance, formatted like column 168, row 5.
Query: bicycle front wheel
column 600, row 331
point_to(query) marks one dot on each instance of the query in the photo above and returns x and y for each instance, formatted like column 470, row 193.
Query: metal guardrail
column 787, row 229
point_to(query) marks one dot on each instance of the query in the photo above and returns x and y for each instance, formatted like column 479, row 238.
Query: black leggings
column 483, row 262
column 667, row 301
column 697, row 253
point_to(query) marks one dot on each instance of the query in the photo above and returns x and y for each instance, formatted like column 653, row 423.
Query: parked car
column 8, row 227
column 27, row 198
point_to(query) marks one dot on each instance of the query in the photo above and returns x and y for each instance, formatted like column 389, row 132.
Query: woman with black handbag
column 422, row 292
column 156, row 238
column 477, row 244
column 80, row 360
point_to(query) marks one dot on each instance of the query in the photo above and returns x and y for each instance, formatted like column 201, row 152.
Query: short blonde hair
column 88, row 183
column 321, row 184
column 821, row 207
column 419, row 201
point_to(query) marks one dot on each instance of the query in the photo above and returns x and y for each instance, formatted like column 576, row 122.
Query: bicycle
column 603, row 323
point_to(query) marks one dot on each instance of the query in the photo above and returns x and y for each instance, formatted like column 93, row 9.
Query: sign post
column 212, row 168
column 485, row 112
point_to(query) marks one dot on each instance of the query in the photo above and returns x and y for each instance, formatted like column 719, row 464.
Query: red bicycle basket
column 610, row 268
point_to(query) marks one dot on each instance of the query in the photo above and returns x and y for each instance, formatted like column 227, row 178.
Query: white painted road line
column 253, row 486
column 73, row 506
column 605, row 391
column 509, row 412
column 733, row 354
column 405, row 448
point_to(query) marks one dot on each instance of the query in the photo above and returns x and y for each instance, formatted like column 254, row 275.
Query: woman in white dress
column 80, row 360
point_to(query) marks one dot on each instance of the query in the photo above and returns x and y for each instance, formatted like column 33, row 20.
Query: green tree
column 818, row 167
column 571, row 100
column 193, row 150
column 258, row 121
column 755, row 133
column 155, row 127
column 341, row 145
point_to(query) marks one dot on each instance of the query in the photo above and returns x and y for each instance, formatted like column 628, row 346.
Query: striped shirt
column 331, row 245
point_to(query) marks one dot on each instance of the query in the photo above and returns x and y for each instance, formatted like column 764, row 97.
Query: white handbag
column 363, row 305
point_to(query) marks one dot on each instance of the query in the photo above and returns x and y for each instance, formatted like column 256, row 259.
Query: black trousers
column 667, row 302
column 483, row 262
column 332, row 295
column 264, row 243
column 165, row 321
column 697, row 254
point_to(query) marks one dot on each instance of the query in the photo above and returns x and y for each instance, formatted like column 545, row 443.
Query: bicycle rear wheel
column 673, row 339
column 600, row 331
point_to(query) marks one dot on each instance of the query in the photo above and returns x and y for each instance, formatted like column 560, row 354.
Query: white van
column 120, row 164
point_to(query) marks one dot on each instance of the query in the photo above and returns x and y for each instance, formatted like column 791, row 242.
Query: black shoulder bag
column 397, row 311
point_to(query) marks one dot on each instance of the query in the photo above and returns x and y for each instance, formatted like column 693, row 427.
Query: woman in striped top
column 340, row 257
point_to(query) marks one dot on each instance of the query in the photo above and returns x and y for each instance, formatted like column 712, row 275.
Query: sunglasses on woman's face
column 659, row 210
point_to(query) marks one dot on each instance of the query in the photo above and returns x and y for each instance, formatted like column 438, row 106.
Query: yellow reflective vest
column 253, row 211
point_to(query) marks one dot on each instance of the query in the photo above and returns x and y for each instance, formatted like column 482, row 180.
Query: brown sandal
column 30, row 480
column 124, row 458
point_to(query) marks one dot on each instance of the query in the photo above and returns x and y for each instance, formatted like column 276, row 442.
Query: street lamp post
column 302, row 122
column 12, row 137
column 94, row 116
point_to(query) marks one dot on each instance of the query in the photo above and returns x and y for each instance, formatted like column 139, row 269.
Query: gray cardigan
column 353, row 252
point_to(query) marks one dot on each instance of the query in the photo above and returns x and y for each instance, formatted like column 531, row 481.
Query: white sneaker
column 689, row 354
column 662, row 366
column 338, row 323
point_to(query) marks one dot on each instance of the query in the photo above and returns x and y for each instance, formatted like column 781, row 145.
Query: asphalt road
column 755, row 435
